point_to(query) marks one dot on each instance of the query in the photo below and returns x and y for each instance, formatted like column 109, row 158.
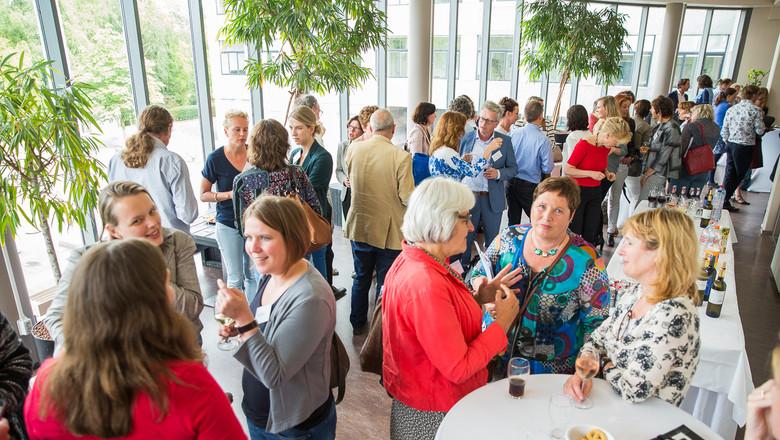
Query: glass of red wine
column 587, row 366
column 518, row 371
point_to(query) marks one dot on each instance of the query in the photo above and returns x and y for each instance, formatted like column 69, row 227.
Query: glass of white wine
column 227, row 343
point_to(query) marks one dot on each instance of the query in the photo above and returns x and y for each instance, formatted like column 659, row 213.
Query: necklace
column 442, row 264
column 549, row 253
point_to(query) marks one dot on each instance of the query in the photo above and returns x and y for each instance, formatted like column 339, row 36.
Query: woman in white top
column 419, row 139
column 445, row 159
column 146, row 160
column 511, row 111
column 577, row 124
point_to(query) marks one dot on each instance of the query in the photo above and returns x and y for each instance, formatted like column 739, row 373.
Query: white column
column 420, row 38
column 667, row 50
column 773, row 84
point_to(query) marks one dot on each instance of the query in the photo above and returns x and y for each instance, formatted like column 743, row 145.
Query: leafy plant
column 47, row 162
column 756, row 77
column 567, row 37
column 306, row 45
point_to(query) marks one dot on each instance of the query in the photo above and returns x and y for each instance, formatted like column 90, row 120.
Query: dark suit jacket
column 318, row 166
column 506, row 166
column 676, row 98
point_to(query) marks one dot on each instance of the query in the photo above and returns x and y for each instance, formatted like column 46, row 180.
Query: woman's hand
column 493, row 146
column 507, row 307
column 467, row 157
column 232, row 303
column 759, row 403
column 576, row 388
column 4, row 429
column 597, row 175
column 610, row 176
column 615, row 150
column 486, row 291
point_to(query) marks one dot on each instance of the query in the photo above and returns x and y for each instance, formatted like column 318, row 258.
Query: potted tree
column 47, row 154
column 318, row 42
column 567, row 37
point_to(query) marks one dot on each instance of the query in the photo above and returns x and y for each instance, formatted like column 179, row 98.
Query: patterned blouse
column 743, row 121
column 446, row 162
column 248, row 186
column 569, row 304
column 655, row 355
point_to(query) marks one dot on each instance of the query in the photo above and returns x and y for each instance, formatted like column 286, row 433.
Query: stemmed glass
column 587, row 366
column 227, row 343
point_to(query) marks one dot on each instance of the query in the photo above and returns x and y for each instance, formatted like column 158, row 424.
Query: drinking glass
column 518, row 372
column 225, row 344
column 587, row 366
column 559, row 409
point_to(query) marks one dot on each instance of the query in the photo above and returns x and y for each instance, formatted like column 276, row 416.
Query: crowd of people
column 413, row 215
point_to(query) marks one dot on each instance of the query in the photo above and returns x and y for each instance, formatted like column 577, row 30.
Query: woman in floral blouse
column 650, row 343
column 562, row 273
column 444, row 150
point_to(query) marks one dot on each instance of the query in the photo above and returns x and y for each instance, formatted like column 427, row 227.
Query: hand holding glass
column 587, row 365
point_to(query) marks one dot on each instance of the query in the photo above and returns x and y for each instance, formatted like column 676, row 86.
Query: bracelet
column 216, row 197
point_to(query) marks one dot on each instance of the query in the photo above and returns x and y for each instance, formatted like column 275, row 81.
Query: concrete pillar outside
column 420, row 38
column 667, row 50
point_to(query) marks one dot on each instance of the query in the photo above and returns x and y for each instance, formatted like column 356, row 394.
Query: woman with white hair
column 434, row 349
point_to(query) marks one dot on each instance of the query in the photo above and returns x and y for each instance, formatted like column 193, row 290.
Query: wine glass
column 587, row 366
column 518, row 372
column 559, row 409
column 225, row 344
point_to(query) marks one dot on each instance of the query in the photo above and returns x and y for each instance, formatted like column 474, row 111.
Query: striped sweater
column 15, row 366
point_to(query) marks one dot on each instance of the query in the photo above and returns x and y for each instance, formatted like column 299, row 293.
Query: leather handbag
column 319, row 227
column 699, row 159
column 371, row 352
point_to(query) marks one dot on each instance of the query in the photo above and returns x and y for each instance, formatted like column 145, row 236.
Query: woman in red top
column 435, row 351
column 588, row 166
column 131, row 367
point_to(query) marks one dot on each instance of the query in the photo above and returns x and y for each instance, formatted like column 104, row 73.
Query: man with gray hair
column 380, row 175
column 488, row 188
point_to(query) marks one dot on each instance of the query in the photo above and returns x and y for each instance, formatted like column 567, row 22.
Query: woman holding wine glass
column 649, row 346
column 286, row 330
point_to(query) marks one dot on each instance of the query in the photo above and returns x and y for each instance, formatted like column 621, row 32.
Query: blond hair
column 616, row 127
column 233, row 113
column 673, row 235
column 154, row 119
column 448, row 131
column 610, row 105
column 306, row 116
column 702, row 111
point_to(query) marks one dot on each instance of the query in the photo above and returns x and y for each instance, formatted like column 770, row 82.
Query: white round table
column 489, row 412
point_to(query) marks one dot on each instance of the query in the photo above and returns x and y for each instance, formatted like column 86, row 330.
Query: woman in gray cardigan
column 286, row 330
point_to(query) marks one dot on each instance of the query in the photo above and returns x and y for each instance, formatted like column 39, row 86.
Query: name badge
column 497, row 155
column 263, row 314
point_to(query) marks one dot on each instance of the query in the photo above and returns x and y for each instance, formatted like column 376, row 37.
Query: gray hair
column 493, row 107
column 233, row 113
column 433, row 210
column 381, row 120
column 307, row 101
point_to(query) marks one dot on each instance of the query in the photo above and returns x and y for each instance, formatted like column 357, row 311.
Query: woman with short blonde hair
column 445, row 160
column 650, row 343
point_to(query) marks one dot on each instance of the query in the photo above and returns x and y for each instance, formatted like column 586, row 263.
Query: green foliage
column 184, row 112
column 756, row 77
column 48, row 170
column 19, row 29
column 317, row 44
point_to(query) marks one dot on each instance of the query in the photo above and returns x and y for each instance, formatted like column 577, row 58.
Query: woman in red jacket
column 435, row 351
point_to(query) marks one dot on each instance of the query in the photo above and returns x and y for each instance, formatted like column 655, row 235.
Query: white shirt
column 479, row 183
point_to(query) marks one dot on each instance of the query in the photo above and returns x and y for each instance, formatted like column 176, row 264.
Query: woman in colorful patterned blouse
column 562, row 273
column 272, row 173
column 650, row 343
column 444, row 150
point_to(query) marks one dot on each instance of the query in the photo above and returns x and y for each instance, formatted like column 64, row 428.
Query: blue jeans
column 325, row 430
column 317, row 258
column 238, row 265
column 367, row 259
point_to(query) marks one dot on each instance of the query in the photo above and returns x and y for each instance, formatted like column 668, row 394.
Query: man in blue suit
column 679, row 95
column 489, row 187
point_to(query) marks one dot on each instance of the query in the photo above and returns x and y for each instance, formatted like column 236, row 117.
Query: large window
column 232, row 59
column 397, row 57
column 397, row 67
column 469, row 46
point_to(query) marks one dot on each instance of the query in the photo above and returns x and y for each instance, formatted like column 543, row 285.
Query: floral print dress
column 653, row 356
column 446, row 162
column 570, row 300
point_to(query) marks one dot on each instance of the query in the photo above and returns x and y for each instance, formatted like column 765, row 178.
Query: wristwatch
column 251, row 325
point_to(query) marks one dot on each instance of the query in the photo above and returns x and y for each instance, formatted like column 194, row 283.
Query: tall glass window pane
column 501, row 64
column 649, row 66
column 368, row 94
column 690, row 43
column 170, row 74
column 397, row 65
column 440, row 53
column 722, row 44
column 633, row 18
column 469, row 47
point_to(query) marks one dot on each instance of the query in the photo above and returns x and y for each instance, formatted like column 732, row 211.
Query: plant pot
column 44, row 345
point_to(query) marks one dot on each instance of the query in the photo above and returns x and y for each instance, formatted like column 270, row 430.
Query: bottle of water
column 717, row 203
column 682, row 200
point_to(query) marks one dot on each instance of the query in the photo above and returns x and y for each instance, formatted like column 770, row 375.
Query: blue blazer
column 676, row 98
column 506, row 166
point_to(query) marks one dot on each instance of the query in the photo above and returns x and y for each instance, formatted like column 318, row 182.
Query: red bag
column 699, row 159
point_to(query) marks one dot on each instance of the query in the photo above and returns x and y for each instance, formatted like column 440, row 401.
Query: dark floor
column 364, row 413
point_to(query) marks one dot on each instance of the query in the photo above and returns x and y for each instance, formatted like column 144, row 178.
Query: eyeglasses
column 466, row 218
column 488, row 121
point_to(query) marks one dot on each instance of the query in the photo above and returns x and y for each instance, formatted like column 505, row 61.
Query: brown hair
column 508, row 104
column 119, row 291
column 722, row 96
column 564, row 186
column 642, row 108
column 672, row 233
column 268, row 145
column 286, row 216
column 448, row 131
column 686, row 105
column 154, row 119
column 749, row 91
column 306, row 116
column 364, row 117
column 663, row 106
column 112, row 193
column 422, row 111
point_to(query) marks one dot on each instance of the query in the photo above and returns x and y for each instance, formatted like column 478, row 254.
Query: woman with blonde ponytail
column 147, row 160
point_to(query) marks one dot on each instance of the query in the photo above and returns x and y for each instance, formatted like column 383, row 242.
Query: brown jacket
column 381, row 177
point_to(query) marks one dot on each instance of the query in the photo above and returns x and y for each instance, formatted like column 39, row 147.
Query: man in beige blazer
column 381, row 177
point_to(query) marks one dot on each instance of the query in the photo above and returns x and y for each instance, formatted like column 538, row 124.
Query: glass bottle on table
column 706, row 210
column 671, row 198
column 586, row 367
column 717, row 294
column 702, row 279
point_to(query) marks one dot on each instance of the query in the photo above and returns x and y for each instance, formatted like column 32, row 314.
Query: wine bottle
column 706, row 210
column 717, row 293
column 702, row 279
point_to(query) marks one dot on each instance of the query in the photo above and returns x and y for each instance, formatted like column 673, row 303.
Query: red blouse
column 587, row 156
column 434, row 349
column 197, row 409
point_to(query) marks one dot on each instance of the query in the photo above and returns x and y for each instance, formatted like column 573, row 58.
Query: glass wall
column 502, row 63
column 440, row 54
column 397, row 66
column 468, row 48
